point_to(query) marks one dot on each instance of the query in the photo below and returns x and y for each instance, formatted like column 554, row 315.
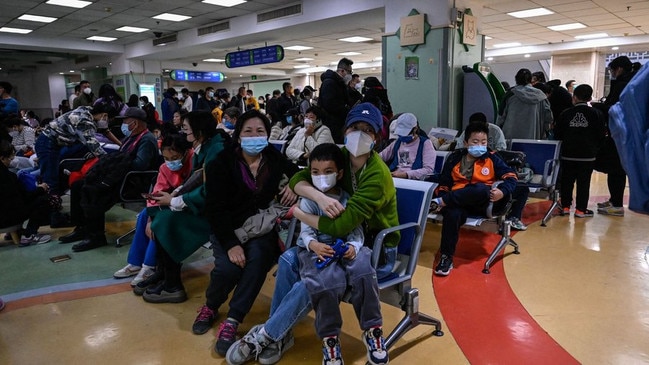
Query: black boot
column 93, row 241
column 78, row 234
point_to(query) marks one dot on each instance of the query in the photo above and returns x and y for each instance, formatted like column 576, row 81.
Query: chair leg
column 118, row 242
column 412, row 318
column 555, row 205
column 504, row 241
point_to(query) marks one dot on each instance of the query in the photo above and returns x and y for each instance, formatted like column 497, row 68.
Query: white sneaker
column 127, row 271
column 144, row 274
column 35, row 238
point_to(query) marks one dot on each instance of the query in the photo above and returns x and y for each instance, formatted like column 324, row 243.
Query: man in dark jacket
column 334, row 97
column 286, row 101
column 169, row 105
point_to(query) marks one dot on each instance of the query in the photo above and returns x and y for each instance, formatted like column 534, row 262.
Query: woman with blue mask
column 411, row 155
column 244, row 179
column 466, row 187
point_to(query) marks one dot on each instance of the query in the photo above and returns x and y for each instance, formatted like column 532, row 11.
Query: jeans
column 291, row 300
column 49, row 156
column 143, row 249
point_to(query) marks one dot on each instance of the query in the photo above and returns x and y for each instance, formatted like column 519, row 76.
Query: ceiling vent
column 280, row 13
column 220, row 27
column 164, row 40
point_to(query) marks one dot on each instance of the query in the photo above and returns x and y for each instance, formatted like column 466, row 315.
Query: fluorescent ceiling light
column 355, row 39
column 15, row 30
column 298, row 48
column 558, row 28
column 304, row 59
column 348, row 53
column 101, row 39
column 379, row 58
column 302, row 66
column 592, row 36
column 132, row 29
column 527, row 55
column 530, row 13
column 37, row 18
column 213, row 60
column 487, row 37
column 226, row 3
column 615, row 48
column 506, row 45
column 172, row 17
column 69, row 3
column 490, row 58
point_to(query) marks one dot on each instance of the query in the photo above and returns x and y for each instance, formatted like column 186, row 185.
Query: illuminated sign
column 198, row 76
column 256, row 56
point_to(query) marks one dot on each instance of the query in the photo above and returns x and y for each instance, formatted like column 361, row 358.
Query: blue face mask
column 477, row 151
column 252, row 146
column 289, row 119
column 406, row 139
column 228, row 124
column 174, row 165
column 125, row 130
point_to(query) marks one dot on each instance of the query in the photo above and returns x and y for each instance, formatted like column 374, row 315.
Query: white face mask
column 102, row 123
column 87, row 91
column 324, row 182
column 307, row 122
column 358, row 86
column 347, row 78
column 358, row 143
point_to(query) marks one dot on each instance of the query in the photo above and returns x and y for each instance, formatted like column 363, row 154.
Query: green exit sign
column 253, row 77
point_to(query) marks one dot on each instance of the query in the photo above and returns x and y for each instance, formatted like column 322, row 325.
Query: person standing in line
column 334, row 97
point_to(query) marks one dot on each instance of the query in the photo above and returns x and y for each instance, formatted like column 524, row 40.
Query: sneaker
column 204, row 320
column 274, row 351
column 247, row 348
column 35, row 238
column 444, row 266
column 517, row 224
column 144, row 274
column 152, row 281
column 127, row 271
column 605, row 204
column 226, row 336
column 377, row 354
column 565, row 211
column 584, row 213
column 331, row 354
column 164, row 295
column 614, row 211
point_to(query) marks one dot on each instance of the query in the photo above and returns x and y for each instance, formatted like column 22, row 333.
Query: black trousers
column 571, row 172
column 88, row 205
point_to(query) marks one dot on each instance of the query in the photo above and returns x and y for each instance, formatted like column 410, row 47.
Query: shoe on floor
column 35, row 239
column 204, row 321
column 272, row 353
column 247, row 348
column 127, row 271
column 144, row 274
column 331, row 354
column 78, row 234
column 377, row 354
column 226, row 336
column 163, row 295
column 517, row 224
column 94, row 241
column 444, row 266
column 565, row 211
column 152, row 281
column 605, row 204
column 584, row 213
column 614, row 211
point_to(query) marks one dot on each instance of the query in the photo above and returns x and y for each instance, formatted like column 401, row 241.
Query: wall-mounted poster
column 412, row 68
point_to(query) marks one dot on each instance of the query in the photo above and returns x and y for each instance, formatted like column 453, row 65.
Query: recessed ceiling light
column 490, row 58
column 172, row 17
column 558, row 28
column 132, row 29
column 69, row 3
column 298, row 48
column 487, row 37
column 530, row 13
column 506, row 45
column 615, row 48
column 379, row 58
column 71, row 70
column 304, row 59
column 37, row 18
column 15, row 30
column 213, row 60
column 302, row 66
column 355, row 39
column 348, row 53
column 61, row 73
column 527, row 55
column 592, row 36
column 226, row 3
column 101, row 39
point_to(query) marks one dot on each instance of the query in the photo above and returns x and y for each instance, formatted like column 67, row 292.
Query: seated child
column 326, row 285
column 177, row 154
column 466, row 186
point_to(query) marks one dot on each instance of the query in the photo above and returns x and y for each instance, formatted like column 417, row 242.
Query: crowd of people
column 220, row 180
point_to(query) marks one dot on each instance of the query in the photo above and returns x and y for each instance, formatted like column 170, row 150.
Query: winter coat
column 525, row 113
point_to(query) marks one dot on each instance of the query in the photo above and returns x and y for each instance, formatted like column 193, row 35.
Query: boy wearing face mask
column 411, row 155
column 466, row 188
column 327, row 285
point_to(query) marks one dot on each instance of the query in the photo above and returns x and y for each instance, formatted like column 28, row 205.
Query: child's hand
column 323, row 250
column 351, row 253
column 496, row 194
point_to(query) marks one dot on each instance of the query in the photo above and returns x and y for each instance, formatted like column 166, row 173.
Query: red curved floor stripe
column 482, row 312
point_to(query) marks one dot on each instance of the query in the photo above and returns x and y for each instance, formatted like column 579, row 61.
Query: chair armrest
column 551, row 175
column 149, row 175
column 378, row 241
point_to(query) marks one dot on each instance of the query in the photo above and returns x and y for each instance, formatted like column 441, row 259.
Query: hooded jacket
column 334, row 99
column 525, row 113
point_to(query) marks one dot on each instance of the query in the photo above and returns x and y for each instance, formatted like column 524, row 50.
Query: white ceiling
column 627, row 21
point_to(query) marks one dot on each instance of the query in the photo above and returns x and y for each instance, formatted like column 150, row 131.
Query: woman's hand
column 401, row 174
column 237, row 256
column 148, row 231
column 496, row 194
column 162, row 198
column 288, row 197
column 330, row 206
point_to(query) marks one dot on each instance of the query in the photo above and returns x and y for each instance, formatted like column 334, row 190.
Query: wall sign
column 469, row 30
column 412, row 30
column 255, row 56
column 197, row 76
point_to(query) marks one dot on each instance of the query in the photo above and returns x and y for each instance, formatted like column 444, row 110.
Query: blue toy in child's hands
column 340, row 247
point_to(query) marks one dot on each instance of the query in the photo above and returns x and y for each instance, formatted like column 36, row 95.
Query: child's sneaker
column 35, row 238
column 517, row 224
column 144, row 274
column 444, row 266
column 377, row 354
column 584, row 213
column 605, row 204
column 247, row 348
column 127, row 271
column 226, row 336
column 331, row 351
column 614, row 211
column 204, row 320
column 565, row 211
